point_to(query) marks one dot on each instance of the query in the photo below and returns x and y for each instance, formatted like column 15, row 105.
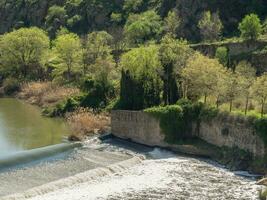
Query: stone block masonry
column 227, row 131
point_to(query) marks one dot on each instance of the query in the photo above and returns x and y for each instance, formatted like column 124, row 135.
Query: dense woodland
column 133, row 54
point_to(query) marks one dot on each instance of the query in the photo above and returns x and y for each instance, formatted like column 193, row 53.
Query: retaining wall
column 221, row 131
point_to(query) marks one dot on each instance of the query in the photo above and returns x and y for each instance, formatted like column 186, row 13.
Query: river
column 109, row 170
column 22, row 127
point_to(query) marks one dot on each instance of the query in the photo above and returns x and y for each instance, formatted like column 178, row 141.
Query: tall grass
column 45, row 94
column 84, row 122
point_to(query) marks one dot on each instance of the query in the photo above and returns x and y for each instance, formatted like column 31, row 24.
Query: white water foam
column 166, row 176
column 76, row 179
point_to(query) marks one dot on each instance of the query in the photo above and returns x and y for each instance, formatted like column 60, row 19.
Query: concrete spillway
column 28, row 156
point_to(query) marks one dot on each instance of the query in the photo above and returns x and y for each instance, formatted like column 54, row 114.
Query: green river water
column 22, row 127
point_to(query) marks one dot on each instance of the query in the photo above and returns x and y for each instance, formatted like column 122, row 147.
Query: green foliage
column 140, row 28
column 96, row 48
column 176, row 120
column 172, row 23
column 173, row 55
column 259, row 91
column 56, row 18
column 222, row 55
column 60, row 109
column 171, row 121
column 131, row 6
column 23, row 52
column 201, row 76
column 67, row 51
column 11, row 85
column 210, row 26
column 250, row 27
column 97, row 93
column 260, row 125
column 140, row 82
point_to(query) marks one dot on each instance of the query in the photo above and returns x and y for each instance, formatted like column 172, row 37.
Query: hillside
column 81, row 16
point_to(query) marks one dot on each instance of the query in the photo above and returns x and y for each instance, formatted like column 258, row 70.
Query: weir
column 29, row 156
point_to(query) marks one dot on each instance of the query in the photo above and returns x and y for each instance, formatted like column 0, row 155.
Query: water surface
column 22, row 127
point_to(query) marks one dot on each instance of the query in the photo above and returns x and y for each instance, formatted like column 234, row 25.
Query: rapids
column 117, row 169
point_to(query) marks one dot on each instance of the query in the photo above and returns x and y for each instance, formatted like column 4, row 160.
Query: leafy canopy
column 210, row 26
column 250, row 27
column 142, row 27
column 67, row 49
column 23, row 50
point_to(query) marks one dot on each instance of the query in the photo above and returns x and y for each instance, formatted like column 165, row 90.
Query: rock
column 262, row 182
column 74, row 138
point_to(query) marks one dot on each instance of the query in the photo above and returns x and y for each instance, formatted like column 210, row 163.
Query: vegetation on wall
column 176, row 121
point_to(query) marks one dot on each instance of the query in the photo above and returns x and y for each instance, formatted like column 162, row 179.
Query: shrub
column 171, row 121
column 176, row 120
column 260, row 125
column 60, row 109
column 11, row 86
column 222, row 55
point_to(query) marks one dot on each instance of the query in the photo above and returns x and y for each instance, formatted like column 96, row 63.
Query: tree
column 247, row 75
column 67, row 49
column 131, row 6
column 140, row 82
column 232, row 88
column 210, row 26
column 96, row 47
column 201, row 75
column 250, row 27
column 23, row 50
column 259, row 90
column 172, row 23
column 55, row 19
column 140, row 28
column 222, row 55
column 173, row 56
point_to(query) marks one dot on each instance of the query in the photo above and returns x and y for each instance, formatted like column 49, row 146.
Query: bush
column 97, row 93
column 171, row 122
column 260, row 125
column 11, row 86
column 222, row 55
column 176, row 120
column 63, row 107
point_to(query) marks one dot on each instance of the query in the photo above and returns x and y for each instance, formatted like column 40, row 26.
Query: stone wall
column 239, row 51
column 137, row 126
column 231, row 131
column 221, row 131
column 234, row 48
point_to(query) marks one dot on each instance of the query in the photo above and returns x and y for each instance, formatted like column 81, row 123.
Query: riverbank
column 51, row 97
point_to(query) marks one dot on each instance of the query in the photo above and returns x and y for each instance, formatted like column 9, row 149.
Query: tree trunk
column 25, row 71
column 262, row 108
column 231, row 105
column 246, row 107
column 217, row 103
column 205, row 99
column 69, row 72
